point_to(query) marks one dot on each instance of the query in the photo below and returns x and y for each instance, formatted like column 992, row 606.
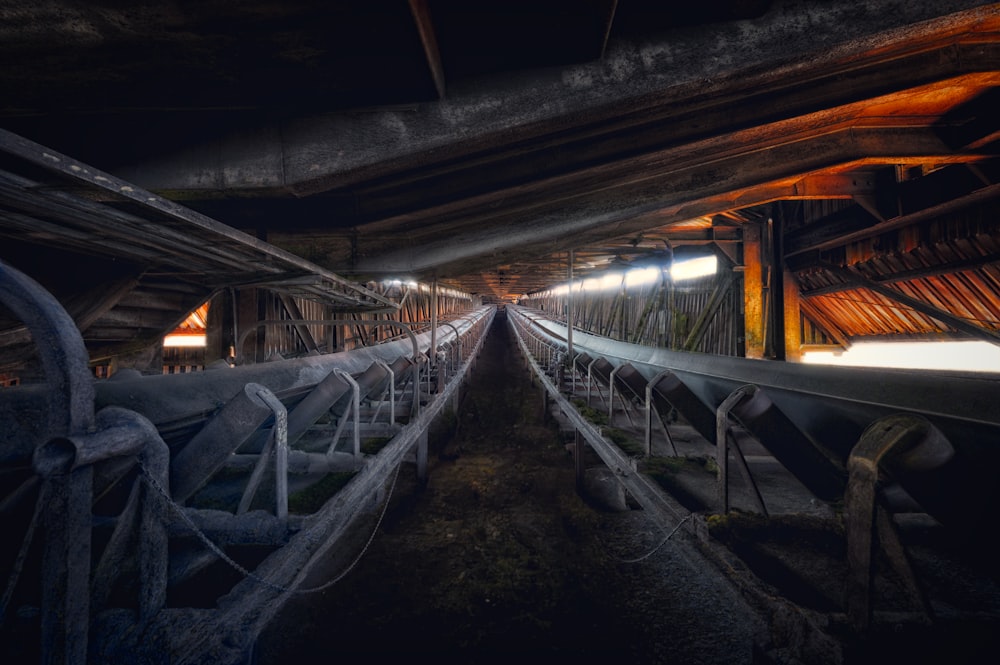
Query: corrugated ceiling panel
column 952, row 264
column 972, row 295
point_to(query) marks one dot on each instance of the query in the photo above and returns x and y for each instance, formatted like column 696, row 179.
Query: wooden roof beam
column 851, row 278
column 820, row 243
column 425, row 27
column 459, row 236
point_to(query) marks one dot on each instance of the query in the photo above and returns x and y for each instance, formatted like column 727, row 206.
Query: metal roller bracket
column 897, row 434
column 650, row 411
column 278, row 443
column 722, row 440
column 355, row 407
column 392, row 392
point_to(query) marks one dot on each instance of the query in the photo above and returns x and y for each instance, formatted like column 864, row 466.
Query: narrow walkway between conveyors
column 497, row 560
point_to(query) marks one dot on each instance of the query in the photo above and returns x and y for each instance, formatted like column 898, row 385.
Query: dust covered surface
column 497, row 559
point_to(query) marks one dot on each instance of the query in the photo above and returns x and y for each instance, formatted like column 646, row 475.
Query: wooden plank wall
column 660, row 314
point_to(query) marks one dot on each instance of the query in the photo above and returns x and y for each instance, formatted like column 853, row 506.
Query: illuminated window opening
column 695, row 268
column 642, row 276
column 186, row 340
column 190, row 333
column 683, row 270
column 965, row 356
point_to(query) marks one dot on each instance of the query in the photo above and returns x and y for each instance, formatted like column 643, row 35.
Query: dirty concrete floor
column 497, row 560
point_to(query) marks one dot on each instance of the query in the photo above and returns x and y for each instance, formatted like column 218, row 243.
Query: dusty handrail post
column 392, row 390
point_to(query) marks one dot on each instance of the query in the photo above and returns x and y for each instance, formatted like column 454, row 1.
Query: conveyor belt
column 810, row 417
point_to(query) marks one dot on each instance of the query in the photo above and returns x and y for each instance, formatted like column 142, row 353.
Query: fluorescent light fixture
column 700, row 267
column 967, row 356
column 188, row 341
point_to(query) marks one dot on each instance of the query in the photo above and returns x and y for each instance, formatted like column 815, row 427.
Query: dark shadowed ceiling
column 478, row 142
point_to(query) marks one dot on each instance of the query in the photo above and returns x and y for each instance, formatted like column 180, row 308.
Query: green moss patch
column 372, row 445
column 626, row 443
column 590, row 413
column 679, row 475
column 312, row 498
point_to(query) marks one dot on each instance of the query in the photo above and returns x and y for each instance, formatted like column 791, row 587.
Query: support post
column 432, row 355
column 753, row 292
column 569, row 308
column 900, row 433
column 793, row 318
column 722, row 441
column 217, row 344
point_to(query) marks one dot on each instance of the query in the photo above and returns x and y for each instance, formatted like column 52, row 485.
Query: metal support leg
column 355, row 407
column 892, row 434
column 590, row 377
column 611, row 394
column 392, row 390
column 651, row 411
column 280, row 438
column 722, row 439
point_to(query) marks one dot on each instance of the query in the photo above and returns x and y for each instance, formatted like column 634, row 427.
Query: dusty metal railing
column 80, row 451
column 78, row 457
column 824, row 410
column 654, row 500
column 922, row 430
